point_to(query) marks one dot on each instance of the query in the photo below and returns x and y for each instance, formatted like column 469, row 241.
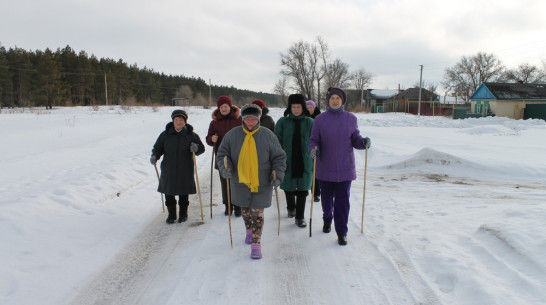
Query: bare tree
column 362, row 79
column 281, row 90
column 470, row 72
column 298, row 65
column 525, row 73
column 320, row 70
column 337, row 74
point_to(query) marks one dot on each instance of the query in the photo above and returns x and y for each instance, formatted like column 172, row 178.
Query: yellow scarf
column 247, row 166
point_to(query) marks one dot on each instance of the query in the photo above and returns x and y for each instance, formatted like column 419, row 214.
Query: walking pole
column 211, row 171
column 162, row 200
column 364, row 192
column 278, row 208
column 198, row 187
column 312, row 195
column 228, row 203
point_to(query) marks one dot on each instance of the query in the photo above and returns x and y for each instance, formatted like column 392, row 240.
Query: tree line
column 66, row 78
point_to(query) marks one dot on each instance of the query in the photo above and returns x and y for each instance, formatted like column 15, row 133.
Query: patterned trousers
column 254, row 219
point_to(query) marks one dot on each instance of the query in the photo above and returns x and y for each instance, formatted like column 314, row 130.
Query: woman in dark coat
column 224, row 118
column 265, row 120
column 293, row 131
column 176, row 144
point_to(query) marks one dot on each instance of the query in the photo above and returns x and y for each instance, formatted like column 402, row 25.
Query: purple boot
column 248, row 238
column 256, row 251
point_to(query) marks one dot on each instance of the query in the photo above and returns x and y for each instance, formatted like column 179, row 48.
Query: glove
column 153, row 160
column 367, row 142
column 193, row 147
column 315, row 153
column 225, row 173
column 276, row 183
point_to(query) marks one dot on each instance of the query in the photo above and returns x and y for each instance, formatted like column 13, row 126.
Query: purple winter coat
column 336, row 134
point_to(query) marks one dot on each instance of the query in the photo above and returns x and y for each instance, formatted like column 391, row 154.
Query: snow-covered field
column 454, row 214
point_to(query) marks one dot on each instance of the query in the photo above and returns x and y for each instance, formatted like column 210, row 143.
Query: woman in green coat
column 293, row 131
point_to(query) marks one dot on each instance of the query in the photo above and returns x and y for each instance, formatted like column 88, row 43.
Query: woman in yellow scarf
column 253, row 153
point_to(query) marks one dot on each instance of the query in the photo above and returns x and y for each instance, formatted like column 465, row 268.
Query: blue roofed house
column 513, row 100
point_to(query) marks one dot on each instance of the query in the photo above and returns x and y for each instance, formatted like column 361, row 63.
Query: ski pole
column 198, row 187
column 312, row 194
column 228, row 203
column 364, row 191
column 211, row 171
column 162, row 200
column 278, row 208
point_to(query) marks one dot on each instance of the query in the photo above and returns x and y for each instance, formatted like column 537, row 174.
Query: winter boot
column 291, row 213
column 226, row 212
column 301, row 223
column 172, row 213
column 237, row 210
column 326, row 228
column 256, row 251
column 248, row 237
column 183, row 212
column 342, row 240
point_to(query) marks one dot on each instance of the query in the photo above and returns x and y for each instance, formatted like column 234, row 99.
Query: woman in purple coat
column 334, row 136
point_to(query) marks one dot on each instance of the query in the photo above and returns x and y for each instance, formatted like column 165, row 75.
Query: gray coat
column 270, row 157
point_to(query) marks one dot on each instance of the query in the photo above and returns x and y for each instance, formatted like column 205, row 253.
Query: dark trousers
column 170, row 202
column 223, row 183
column 336, row 205
column 296, row 200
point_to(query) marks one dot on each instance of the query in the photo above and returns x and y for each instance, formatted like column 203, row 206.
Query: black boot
column 183, row 212
column 342, row 240
column 170, row 202
column 226, row 212
column 237, row 210
column 172, row 214
column 301, row 223
column 326, row 228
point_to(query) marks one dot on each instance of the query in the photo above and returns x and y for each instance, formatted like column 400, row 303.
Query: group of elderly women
column 256, row 155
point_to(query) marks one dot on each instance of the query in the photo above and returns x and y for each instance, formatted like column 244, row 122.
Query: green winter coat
column 284, row 129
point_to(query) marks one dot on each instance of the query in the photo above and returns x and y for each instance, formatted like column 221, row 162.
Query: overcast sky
column 238, row 42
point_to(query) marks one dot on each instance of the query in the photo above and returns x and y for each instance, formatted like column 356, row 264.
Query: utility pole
column 105, row 89
column 420, row 84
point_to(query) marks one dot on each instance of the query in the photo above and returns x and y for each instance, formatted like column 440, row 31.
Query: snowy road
column 454, row 215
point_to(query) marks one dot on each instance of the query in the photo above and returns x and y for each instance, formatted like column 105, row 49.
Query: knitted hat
column 337, row 91
column 310, row 102
column 259, row 103
column 224, row 99
column 179, row 112
column 251, row 110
